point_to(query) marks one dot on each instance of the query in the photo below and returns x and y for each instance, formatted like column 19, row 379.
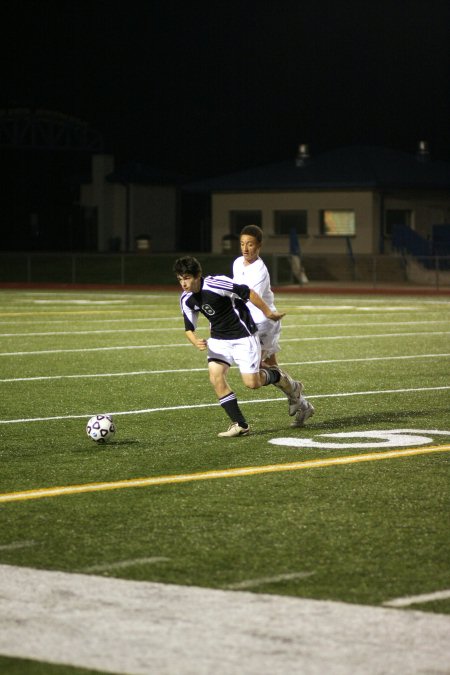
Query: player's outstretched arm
column 199, row 343
column 260, row 304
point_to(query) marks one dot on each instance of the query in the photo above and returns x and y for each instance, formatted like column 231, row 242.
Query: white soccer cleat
column 295, row 399
column 304, row 413
column 292, row 389
column 235, row 430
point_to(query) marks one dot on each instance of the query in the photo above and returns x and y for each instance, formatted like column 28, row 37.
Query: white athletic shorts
column 244, row 352
column 269, row 337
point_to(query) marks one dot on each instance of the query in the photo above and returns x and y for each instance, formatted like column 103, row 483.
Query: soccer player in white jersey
column 233, row 334
column 250, row 269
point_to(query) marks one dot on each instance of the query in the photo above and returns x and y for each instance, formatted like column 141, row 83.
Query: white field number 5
column 391, row 438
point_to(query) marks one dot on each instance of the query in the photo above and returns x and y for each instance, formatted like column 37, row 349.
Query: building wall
column 153, row 212
column 99, row 195
column 125, row 213
column 427, row 208
column 362, row 203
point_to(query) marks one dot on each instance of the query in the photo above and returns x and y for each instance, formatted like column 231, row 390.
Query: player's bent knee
column 251, row 381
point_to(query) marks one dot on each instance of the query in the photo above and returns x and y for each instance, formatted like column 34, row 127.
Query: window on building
column 285, row 221
column 337, row 223
column 239, row 219
column 396, row 217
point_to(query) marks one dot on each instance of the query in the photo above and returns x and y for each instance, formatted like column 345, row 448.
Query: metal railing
column 431, row 271
column 156, row 269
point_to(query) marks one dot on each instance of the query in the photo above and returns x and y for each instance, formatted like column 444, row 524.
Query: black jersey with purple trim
column 222, row 302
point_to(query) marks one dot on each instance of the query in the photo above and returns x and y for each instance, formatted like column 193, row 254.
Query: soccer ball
column 101, row 428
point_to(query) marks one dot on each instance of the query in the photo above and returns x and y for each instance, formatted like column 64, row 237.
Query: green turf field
column 363, row 532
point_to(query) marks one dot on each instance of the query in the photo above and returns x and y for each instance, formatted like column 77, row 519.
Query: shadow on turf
column 403, row 416
column 123, row 442
column 114, row 444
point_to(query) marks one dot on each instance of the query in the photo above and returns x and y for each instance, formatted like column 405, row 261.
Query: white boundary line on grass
column 101, row 331
column 212, row 405
column 362, row 337
column 198, row 370
column 93, row 349
column 128, row 319
column 104, row 331
column 187, row 344
column 152, row 319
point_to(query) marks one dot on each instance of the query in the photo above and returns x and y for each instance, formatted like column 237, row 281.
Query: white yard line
column 417, row 599
column 96, row 375
column 94, row 349
column 103, row 331
column 104, row 318
column 178, row 327
column 370, row 336
column 279, row 399
column 138, row 628
column 135, row 373
column 127, row 320
column 363, row 337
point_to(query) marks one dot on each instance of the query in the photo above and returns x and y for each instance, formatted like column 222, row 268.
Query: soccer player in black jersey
column 232, row 334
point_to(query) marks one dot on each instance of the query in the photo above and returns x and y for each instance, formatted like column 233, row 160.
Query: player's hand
column 202, row 344
column 276, row 316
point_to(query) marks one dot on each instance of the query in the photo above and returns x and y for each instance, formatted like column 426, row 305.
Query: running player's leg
column 219, row 361
column 269, row 332
column 217, row 376
column 247, row 355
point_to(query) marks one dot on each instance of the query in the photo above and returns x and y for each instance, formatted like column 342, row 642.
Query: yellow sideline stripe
column 222, row 473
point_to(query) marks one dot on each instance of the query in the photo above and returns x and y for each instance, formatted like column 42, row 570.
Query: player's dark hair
column 187, row 265
column 253, row 231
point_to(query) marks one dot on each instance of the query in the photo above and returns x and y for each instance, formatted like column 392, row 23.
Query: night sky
column 204, row 88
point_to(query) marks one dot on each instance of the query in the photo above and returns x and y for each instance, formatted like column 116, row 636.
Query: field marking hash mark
column 14, row 545
column 262, row 581
column 123, row 564
column 417, row 599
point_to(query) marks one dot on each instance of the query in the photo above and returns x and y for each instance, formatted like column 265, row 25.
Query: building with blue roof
column 347, row 197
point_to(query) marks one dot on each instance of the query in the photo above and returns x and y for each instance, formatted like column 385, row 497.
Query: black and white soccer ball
column 101, row 428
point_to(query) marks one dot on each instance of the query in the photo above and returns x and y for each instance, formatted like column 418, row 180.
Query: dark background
column 208, row 87
column 204, row 88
